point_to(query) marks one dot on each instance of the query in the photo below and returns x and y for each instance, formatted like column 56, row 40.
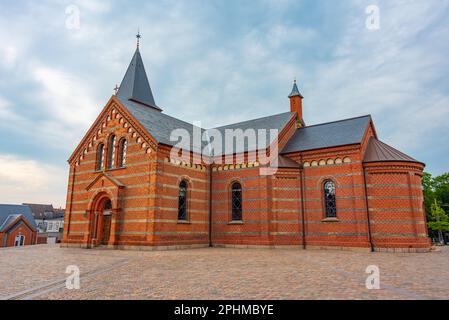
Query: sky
column 218, row 62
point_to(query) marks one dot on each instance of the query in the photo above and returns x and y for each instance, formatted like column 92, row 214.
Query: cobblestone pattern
column 224, row 274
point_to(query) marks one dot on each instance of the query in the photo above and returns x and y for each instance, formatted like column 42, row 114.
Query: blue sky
column 217, row 62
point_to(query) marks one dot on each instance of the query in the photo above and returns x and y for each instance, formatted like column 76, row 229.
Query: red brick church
column 336, row 185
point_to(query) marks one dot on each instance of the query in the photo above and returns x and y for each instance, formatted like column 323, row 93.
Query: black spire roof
column 135, row 85
column 295, row 91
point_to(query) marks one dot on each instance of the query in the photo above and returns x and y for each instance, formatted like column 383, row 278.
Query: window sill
column 330, row 220
column 184, row 222
column 239, row 222
column 110, row 169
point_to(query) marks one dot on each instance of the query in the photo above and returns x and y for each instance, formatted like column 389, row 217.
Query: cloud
column 222, row 62
column 390, row 73
column 64, row 97
column 6, row 112
column 26, row 180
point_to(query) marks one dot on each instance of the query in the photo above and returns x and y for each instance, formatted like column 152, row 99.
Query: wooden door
column 106, row 230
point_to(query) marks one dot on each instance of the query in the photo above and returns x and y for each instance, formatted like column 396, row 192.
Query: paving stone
column 219, row 273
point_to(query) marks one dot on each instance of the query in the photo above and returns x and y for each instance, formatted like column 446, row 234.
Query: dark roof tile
column 9, row 213
column 327, row 135
column 160, row 125
column 377, row 151
column 135, row 85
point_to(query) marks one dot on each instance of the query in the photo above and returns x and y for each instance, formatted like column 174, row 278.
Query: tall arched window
column 182, row 204
column 100, row 157
column 111, row 152
column 236, row 199
column 329, row 199
column 123, row 145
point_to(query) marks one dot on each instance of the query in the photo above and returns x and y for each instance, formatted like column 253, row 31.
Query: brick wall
column 20, row 228
column 396, row 205
column 145, row 193
column 342, row 166
column 133, row 202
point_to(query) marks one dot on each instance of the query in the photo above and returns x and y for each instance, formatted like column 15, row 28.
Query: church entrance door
column 106, row 224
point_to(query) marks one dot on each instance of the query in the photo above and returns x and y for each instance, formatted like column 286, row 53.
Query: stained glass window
column 122, row 157
column 236, row 199
column 111, row 152
column 182, row 204
column 100, row 157
column 329, row 199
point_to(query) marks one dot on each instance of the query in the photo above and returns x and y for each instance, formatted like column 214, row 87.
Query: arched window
column 111, row 152
column 100, row 157
column 329, row 199
column 123, row 145
column 182, row 204
column 107, row 206
column 236, row 199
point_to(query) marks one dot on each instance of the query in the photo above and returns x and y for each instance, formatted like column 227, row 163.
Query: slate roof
column 40, row 211
column 276, row 122
column 377, row 151
column 59, row 213
column 135, row 85
column 10, row 213
column 135, row 94
column 9, row 219
column 160, row 125
column 295, row 91
column 327, row 135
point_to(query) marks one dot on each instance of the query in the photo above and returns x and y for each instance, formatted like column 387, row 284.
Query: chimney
column 296, row 105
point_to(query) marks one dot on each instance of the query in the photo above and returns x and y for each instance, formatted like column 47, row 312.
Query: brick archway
column 103, row 212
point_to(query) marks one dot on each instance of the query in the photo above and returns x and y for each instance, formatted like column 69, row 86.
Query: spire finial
column 138, row 36
column 295, row 91
column 116, row 89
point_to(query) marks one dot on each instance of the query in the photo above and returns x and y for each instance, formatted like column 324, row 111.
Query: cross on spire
column 138, row 36
column 116, row 89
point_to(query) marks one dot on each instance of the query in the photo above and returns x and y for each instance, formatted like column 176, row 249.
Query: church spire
column 296, row 105
column 295, row 91
column 135, row 85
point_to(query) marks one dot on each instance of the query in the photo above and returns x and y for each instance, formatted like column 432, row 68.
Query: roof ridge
column 337, row 121
column 155, row 110
column 13, row 205
column 250, row 120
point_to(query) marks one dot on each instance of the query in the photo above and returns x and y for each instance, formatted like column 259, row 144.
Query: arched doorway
column 101, row 220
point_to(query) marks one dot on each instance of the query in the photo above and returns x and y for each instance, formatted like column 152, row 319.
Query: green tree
column 439, row 220
column 436, row 202
column 428, row 191
column 441, row 190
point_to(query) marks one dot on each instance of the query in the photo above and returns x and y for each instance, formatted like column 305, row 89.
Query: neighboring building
column 17, row 226
column 337, row 185
column 49, row 221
